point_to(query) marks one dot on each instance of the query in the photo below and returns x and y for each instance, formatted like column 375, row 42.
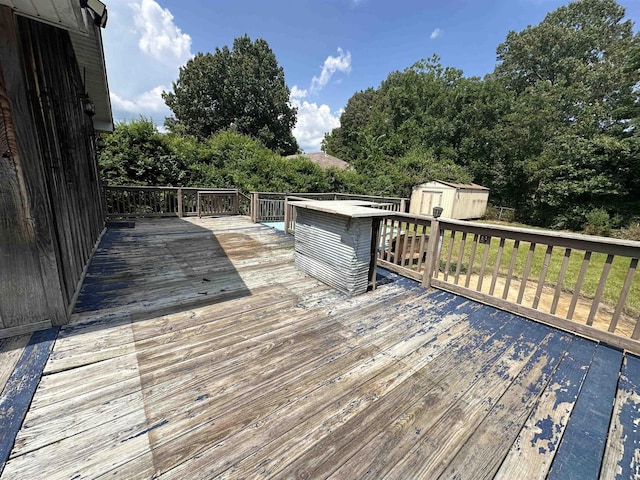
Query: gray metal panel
column 335, row 249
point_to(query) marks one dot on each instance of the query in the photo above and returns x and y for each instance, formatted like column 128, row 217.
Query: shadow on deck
column 198, row 350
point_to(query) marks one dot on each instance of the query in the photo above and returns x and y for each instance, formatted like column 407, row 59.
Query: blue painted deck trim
column 21, row 386
column 582, row 447
column 628, row 416
column 570, row 374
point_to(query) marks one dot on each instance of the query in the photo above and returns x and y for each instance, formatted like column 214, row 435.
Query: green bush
column 598, row 222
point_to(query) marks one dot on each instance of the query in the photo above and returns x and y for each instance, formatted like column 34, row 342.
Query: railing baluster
column 543, row 275
column 603, row 281
column 578, row 286
column 398, row 240
column 485, row 256
column 405, row 242
column 460, row 257
column 560, row 283
column 512, row 265
column 384, row 245
column 471, row 259
column 412, row 248
column 452, row 239
column 496, row 268
column 421, row 248
column 623, row 294
column 525, row 274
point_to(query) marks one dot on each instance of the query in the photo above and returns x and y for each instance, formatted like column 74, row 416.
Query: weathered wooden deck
column 199, row 351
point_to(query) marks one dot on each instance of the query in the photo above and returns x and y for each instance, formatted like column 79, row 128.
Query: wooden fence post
column 253, row 206
column 287, row 218
column 402, row 206
column 432, row 253
column 179, row 202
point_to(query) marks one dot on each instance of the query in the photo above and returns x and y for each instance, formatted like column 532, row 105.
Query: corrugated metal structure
column 334, row 249
column 334, row 242
column 461, row 201
column 51, row 211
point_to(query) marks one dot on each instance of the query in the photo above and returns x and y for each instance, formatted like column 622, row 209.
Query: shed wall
column 428, row 195
column 470, row 203
column 457, row 203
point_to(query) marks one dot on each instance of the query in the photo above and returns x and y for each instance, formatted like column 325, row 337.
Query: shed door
column 429, row 200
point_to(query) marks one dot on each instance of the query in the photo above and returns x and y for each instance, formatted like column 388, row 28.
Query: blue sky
column 329, row 49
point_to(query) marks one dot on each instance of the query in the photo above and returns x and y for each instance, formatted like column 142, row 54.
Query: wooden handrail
column 270, row 206
column 151, row 201
column 147, row 187
column 521, row 270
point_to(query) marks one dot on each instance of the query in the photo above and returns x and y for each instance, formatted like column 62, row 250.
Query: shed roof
column 466, row 186
column 86, row 39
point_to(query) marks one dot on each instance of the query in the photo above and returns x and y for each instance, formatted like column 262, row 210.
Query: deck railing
column 274, row 207
column 580, row 283
column 134, row 201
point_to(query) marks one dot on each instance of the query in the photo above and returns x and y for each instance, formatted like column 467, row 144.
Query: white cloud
column 149, row 101
column 297, row 92
column 160, row 38
column 313, row 122
column 341, row 63
column 436, row 33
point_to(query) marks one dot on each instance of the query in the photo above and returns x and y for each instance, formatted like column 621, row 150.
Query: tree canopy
column 553, row 131
column 242, row 89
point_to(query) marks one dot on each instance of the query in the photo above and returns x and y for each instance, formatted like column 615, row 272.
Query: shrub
column 598, row 222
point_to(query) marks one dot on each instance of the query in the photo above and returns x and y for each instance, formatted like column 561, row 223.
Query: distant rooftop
column 324, row 160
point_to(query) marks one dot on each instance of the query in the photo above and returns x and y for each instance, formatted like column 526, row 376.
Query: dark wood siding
column 50, row 197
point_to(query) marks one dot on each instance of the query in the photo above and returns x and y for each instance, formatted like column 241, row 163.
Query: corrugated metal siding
column 334, row 249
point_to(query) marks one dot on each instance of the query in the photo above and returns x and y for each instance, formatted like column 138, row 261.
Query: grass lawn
column 613, row 286
column 612, row 289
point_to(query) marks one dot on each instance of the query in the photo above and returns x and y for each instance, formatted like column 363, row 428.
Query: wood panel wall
column 50, row 203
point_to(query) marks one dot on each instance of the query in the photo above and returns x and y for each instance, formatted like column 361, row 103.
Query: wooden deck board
column 10, row 351
column 622, row 455
column 271, row 374
column 529, row 456
column 582, row 447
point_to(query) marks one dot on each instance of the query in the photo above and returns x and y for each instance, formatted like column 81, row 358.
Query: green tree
column 229, row 159
column 137, row 154
column 241, row 89
column 569, row 138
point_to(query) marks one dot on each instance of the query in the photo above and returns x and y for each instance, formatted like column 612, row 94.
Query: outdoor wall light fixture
column 88, row 106
column 98, row 11
column 437, row 211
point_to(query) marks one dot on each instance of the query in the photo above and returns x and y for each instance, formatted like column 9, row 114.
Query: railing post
column 286, row 214
column 253, row 205
column 179, row 202
column 402, row 206
column 432, row 253
column 237, row 203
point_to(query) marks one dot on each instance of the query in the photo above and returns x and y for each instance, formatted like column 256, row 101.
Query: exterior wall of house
column 50, row 201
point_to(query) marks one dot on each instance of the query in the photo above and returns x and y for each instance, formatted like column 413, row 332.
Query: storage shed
column 461, row 201
column 53, row 96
